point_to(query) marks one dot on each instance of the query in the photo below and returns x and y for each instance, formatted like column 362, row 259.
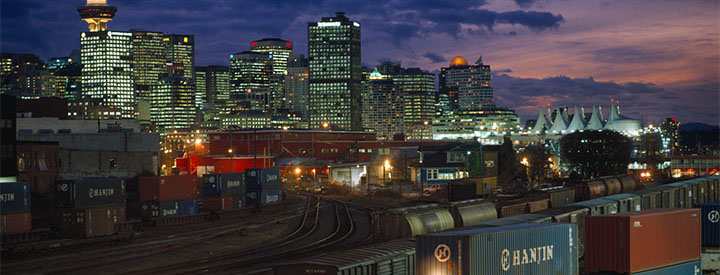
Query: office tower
column 212, row 84
column 107, row 69
column 107, row 60
column 21, row 73
column 418, row 98
column 278, row 52
column 670, row 129
column 382, row 103
column 180, row 55
column 148, row 61
column 63, row 77
column 296, row 85
column 172, row 104
column 467, row 87
column 250, row 79
column 334, row 73
column 97, row 13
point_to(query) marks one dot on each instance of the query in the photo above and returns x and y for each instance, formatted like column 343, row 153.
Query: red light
column 253, row 44
column 673, row 119
column 289, row 44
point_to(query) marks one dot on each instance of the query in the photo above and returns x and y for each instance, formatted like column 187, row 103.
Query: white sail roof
column 559, row 124
column 577, row 123
column 542, row 123
column 595, row 122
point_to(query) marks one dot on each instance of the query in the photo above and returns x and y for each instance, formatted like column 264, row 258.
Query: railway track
column 311, row 235
column 78, row 261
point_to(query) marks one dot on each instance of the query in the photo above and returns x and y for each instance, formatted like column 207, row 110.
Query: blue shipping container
column 684, row 268
column 15, row 197
column 223, row 184
column 263, row 178
column 187, row 207
column 710, row 224
column 269, row 196
column 252, row 197
column 545, row 248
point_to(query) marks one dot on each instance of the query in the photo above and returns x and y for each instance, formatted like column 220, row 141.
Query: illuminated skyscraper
column 172, row 104
column 212, row 84
column 250, row 79
column 21, row 72
column 107, row 69
column 107, row 60
column 418, row 98
column 278, row 52
column 180, row 55
column 296, row 85
column 382, row 103
column 148, row 61
column 335, row 73
column 467, row 87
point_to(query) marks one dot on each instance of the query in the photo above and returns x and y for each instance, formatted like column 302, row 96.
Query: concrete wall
column 93, row 163
column 131, row 142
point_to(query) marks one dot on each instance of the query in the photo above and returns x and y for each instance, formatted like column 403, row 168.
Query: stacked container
column 710, row 256
column 15, row 207
column 163, row 196
column 634, row 242
column 90, row 207
column 263, row 186
column 223, row 191
column 549, row 248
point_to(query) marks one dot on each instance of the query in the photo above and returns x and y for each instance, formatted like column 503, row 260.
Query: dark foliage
column 592, row 154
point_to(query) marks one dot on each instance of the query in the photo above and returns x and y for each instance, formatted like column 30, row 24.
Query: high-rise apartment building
column 467, row 87
column 107, row 71
column 172, row 104
column 296, row 85
column 670, row 129
column 334, row 71
column 278, row 52
column 382, row 103
column 149, row 64
column 21, row 72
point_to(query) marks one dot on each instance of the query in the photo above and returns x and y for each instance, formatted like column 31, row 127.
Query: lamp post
column 230, row 151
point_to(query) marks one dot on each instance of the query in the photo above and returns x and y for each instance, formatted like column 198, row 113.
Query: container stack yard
column 90, row 207
column 15, row 207
column 223, row 191
column 710, row 221
column 264, row 186
column 166, row 196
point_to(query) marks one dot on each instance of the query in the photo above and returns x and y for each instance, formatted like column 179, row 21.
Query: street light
column 386, row 166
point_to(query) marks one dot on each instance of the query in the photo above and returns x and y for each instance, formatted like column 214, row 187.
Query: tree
column 536, row 157
column 509, row 168
column 592, row 154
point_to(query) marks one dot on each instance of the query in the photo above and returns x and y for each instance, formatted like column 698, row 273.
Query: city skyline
column 658, row 62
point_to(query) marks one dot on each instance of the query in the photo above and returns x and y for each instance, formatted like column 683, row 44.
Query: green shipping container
column 518, row 249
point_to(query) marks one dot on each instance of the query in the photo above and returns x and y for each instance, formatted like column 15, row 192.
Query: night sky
column 658, row 58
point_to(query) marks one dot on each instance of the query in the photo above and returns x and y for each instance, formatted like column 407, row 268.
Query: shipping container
column 167, row 188
column 668, row 196
column 460, row 190
column 263, row 178
column 640, row 241
column 511, row 208
column 218, row 203
column 626, row 202
column 557, row 197
column 389, row 258
column 535, row 205
column 518, row 249
column 628, row 184
column 693, row 267
column 472, row 212
column 15, row 197
column 399, row 223
column 714, row 188
column 570, row 214
column 683, row 194
column 710, row 260
column 90, row 222
column 15, row 223
column 711, row 224
column 223, row 184
column 90, row 192
column 599, row 206
column 271, row 195
column 612, row 186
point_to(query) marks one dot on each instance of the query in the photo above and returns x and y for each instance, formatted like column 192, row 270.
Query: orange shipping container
column 16, row 223
column 638, row 241
column 168, row 188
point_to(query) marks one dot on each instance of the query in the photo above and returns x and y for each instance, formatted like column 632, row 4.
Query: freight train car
column 390, row 258
column 471, row 212
column 407, row 222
